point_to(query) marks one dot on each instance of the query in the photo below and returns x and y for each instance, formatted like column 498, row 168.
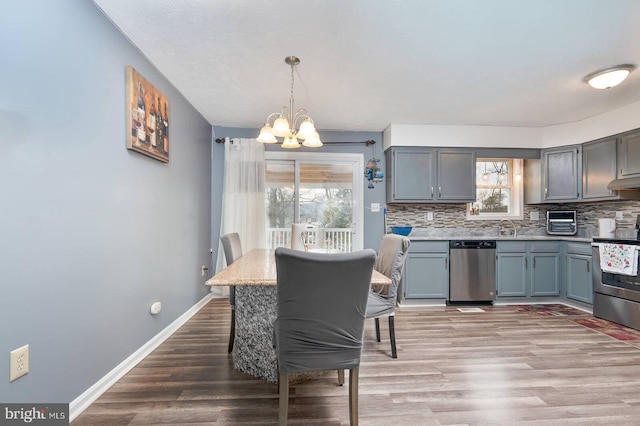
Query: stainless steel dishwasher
column 472, row 272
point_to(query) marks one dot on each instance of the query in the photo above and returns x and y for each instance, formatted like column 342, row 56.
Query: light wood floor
column 453, row 368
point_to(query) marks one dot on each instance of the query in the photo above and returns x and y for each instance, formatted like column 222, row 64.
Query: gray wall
column 90, row 233
column 373, row 222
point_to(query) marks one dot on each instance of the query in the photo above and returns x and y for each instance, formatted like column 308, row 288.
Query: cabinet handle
column 534, row 262
column 588, row 266
column 526, row 263
column 439, row 192
column 432, row 192
column 546, row 192
column 446, row 263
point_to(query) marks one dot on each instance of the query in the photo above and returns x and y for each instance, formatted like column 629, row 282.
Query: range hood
column 624, row 184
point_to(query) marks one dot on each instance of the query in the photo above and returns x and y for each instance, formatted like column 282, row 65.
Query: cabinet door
column 511, row 274
column 412, row 175
column 598, row 168
column 629, row 155
column 562, row 174
column 579, row 284
column 456, row 171
column 426, row 276
column 545, row 274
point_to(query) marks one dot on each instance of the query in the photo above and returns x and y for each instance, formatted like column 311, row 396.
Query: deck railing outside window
column 326, row 238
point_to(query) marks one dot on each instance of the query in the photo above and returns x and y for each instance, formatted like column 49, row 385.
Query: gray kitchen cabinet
column 545, row 274
column 599, row 167
column 410, row 174
column 528, row 269
column 629, row 154
column 511, row 274
column 579, row 285
column 419, row 174
column 562, row 173
column 426, row 271
column 456, row 175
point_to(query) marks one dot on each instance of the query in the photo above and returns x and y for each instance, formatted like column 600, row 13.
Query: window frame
column 516, row 207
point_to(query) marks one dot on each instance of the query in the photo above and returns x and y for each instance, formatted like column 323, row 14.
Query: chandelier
column 284, row 126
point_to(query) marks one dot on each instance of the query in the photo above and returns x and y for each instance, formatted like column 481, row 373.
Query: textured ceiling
column 366, row 64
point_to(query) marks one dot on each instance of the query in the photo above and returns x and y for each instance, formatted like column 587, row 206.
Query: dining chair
column 321, row 302
column 382, row 299
column 232, row 251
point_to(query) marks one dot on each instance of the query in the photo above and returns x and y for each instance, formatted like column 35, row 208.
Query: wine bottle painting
column 147, row 117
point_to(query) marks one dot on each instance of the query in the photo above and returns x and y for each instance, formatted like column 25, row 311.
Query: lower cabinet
column 528, row 268
column 579, row 285
column 426, row 271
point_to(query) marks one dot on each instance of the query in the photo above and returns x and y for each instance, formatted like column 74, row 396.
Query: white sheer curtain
column 243, row 209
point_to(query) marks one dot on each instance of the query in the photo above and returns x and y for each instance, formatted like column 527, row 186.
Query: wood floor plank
column 503, row 366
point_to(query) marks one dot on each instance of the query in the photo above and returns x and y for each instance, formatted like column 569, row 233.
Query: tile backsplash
column 450, row 219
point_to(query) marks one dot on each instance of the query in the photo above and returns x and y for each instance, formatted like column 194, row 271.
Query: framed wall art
column 147, row 112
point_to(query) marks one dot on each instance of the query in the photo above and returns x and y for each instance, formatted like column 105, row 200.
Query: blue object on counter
column 401, row 230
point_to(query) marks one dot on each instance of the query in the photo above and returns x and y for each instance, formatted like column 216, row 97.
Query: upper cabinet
column 598, row 169
column 562, row 173
column 410, row 174
column 629, row 155
column 420, row 174
column 456, row 171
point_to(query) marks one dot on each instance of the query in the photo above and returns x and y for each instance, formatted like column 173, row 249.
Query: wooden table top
column 258, row 267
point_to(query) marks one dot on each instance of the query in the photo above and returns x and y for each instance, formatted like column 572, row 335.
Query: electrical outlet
column 534, row 216
column 19, row 363
column 619, row 216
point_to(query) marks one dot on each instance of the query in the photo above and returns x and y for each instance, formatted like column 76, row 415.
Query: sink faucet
column 513, row 226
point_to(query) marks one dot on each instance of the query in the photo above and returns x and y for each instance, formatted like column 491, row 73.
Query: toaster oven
column 562, row 222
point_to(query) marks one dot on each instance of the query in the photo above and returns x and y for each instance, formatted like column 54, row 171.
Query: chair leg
column 232, row 333
column 353, row 396
column 392, row 335
column 283, row 385
column 377, row 329
column 340, row 377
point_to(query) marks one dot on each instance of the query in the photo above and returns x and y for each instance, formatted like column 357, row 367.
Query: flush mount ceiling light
column 285, row 124
column 610, row 77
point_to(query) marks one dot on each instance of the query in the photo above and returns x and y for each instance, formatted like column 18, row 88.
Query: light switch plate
column 619, row 216
column 375, row 207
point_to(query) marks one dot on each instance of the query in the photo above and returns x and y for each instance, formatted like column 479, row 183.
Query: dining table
column 254, row 277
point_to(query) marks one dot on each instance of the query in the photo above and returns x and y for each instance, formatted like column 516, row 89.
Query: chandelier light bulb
column 290, row 142
column 313, row 141
column 281, row 127
column 266, row 135
column 307, row 129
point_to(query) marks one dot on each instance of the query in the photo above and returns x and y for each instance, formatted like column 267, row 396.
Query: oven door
column 618, row 285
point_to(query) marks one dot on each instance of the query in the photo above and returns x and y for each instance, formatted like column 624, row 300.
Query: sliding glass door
column 322, row 191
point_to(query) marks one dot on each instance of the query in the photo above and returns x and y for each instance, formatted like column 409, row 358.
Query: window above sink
column 498, row 190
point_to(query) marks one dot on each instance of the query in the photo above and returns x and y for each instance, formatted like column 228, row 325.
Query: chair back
column 232, row 251
column 390, row 262
column 321, row 305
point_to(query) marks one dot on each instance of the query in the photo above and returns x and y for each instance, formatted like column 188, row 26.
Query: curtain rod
column 367, row 143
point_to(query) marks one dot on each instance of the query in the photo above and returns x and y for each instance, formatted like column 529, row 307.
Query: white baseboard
column 82, row 402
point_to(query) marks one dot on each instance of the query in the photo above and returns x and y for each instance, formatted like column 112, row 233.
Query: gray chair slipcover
column 382, row 299
column 232, row 251
column 321, row 305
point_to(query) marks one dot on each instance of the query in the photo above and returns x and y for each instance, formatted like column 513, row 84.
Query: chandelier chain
column 291, row 95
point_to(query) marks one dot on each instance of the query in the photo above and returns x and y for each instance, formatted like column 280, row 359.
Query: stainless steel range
column 616, row 297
